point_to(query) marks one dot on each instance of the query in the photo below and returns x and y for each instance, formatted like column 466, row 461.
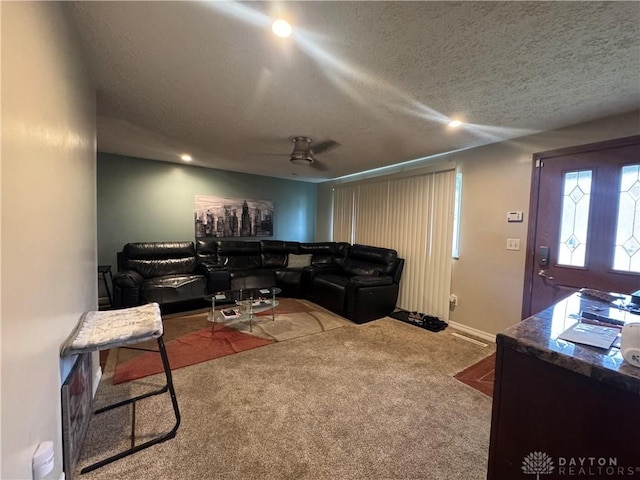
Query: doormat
column 428, row 322
column 480, row 375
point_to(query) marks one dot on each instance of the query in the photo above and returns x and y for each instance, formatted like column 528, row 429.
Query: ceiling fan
column 304, row 151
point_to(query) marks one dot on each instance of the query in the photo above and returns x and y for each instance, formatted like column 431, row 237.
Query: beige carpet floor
column 372, row 401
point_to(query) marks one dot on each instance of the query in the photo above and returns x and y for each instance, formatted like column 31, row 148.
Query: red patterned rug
column 186, row 350
column 480, row 375
column 189, row 338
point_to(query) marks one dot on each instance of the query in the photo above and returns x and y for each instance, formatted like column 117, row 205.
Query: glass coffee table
column 242, row 305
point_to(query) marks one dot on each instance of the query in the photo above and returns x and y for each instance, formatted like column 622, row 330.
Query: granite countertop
column 537, row 336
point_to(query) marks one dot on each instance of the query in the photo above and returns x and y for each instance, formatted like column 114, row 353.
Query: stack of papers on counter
column 594, row 335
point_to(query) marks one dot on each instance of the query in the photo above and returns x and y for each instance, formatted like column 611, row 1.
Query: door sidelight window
column 626, row 256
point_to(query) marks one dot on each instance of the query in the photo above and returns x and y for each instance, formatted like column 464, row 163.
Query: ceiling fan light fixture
column 301, row 158
column 301, row 154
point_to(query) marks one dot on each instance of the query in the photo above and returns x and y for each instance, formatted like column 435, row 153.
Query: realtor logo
column 537, row 463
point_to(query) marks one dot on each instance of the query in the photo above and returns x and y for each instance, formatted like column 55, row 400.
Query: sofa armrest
column 127, row 288
column 364, row 303
column 217, row 276
column 323, row 268
column 370, row 280
column 397, row 274
column 128, row 279
column 203, row 267
column 308, row 273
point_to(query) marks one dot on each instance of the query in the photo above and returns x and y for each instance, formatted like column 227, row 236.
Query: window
column 574, row 220
column 456, row 216
column 627, row 248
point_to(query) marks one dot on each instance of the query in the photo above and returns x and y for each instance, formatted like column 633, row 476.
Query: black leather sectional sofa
column 358, row 282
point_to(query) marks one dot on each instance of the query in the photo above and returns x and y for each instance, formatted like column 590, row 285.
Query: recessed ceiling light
column 281, row 28
column 455, row 123
column 186, row 157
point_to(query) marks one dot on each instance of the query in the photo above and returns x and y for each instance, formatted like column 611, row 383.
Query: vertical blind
column 343, row 210
column 413, row 216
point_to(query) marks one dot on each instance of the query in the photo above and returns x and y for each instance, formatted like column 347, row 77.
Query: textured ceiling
column 381, row 78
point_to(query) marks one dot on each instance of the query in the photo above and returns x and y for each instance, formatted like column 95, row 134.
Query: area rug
column 190, row 338
column 480, row 375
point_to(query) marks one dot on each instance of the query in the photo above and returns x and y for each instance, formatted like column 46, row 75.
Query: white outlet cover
column 43, row 460
column 513, row 244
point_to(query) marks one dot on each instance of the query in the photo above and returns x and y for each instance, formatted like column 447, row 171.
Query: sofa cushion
column 370, row 281
column 365, row 260
column 279, row 246
column 206, row 250
column 236, row 247
column 274, row 260
column 167, row 266
column 153, row 259
column 274, row 252
column 324, row 252
column 342, row 250
column 158, row 250
column 298, row 261
column 289, row 280
column 329, row 291
column 238, row 263
column 237, row 255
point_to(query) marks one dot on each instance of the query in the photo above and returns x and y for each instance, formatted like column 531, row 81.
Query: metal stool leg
column 168, row 387
column 103, row 270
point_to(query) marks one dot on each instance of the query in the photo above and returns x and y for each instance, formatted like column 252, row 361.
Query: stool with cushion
column 102, row 330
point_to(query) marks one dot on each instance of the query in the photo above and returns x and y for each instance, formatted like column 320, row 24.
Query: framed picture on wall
column 232, row 217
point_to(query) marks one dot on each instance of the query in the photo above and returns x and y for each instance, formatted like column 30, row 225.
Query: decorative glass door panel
column 627, row 247
column 585, row 222
column 574, row 220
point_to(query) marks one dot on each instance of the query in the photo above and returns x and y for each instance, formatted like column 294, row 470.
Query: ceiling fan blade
column 323, row 146
column 268, row 154
column 319, row 166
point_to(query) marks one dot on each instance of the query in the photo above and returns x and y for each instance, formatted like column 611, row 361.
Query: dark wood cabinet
column 574, row 420
column 563, row 410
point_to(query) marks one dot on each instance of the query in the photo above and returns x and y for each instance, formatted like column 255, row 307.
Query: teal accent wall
column 145, row 200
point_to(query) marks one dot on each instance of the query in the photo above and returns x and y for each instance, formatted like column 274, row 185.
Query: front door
column 584, row 229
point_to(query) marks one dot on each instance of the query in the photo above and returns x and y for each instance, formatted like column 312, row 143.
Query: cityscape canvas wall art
column 232, row 217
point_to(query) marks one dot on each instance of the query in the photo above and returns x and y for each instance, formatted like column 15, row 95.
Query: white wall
column 487, row 278
column 48, row 232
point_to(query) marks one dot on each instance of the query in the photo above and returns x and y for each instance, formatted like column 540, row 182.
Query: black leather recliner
column 364, row 287
column 163, row 272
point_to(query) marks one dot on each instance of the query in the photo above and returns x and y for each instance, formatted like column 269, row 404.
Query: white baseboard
column 96, row 380
column 473, row 331
column 62, row 476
